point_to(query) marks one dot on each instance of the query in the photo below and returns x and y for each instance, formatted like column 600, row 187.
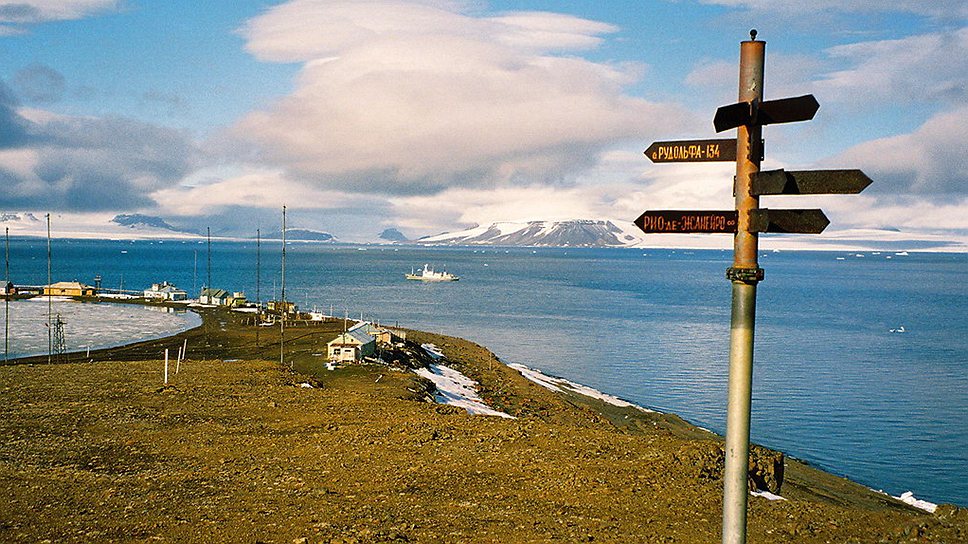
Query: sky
column 437, row 115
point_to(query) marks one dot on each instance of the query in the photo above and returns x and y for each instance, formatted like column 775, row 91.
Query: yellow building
column 69, row 289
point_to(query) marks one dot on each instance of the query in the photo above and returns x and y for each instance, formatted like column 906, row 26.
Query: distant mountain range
column 301, row 235
column 13, row 217
column 573, row 233
column 137, row 221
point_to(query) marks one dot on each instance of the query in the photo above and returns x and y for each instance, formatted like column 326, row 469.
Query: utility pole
column 7, row 295
column 50, row 302
column 284, row 307
column 208, row 284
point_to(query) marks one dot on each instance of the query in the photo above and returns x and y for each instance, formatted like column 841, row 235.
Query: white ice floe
column 457, row 389
column 561, row 385
column 767, row 495
column 908, row 498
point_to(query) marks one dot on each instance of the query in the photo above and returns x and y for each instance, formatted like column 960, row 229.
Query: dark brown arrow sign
column 784, row 110
column 809, row 182
column 788, row 221
column 676, row 221
column 693, row 151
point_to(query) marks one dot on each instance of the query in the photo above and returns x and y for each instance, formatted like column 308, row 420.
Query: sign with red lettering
column 693, row 151
column 674, row 221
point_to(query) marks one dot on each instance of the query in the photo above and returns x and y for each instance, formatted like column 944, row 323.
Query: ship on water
column 429, row 274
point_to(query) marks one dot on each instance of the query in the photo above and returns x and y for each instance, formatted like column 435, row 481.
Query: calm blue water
column 832, row 385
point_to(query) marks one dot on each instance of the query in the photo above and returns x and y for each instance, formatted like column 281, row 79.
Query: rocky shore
column 238, row 448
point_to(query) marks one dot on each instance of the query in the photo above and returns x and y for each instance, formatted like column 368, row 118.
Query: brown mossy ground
column 234, row 449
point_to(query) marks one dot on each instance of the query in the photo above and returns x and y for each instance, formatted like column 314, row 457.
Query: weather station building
column 165, row 292
column 351, row 346
column 69, row 289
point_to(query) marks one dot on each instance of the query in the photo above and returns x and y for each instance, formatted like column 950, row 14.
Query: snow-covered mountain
column 573, row 233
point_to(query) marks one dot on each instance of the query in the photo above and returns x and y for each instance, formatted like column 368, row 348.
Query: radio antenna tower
column 60, row 343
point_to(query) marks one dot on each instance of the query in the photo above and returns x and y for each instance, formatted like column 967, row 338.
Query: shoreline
column 579, row 436
column 582, row 394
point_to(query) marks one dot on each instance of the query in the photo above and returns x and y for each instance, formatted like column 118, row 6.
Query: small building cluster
column 165, row 291
column 221, row 297
column 360, row 342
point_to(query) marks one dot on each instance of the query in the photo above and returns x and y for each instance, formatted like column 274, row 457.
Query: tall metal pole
column 208, row 281
column 258, row 284
column 50, row 303
column 744, row 275
column 284, row 309
column 6, row 298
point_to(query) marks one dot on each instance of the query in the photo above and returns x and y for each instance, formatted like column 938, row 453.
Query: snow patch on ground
column 433, row 351
column 767, row 495
column 908, row 498
column 454, row 388
column 561, row 385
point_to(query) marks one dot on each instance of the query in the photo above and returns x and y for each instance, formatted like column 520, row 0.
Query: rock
column 705, row 460
column 765, row 470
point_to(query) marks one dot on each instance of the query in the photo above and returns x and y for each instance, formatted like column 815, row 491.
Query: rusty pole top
column 745, row 244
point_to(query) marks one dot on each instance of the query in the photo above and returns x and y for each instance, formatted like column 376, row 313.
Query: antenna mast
column 208, row 236
column 50, row 303
column 6, row 298
column 285, row 308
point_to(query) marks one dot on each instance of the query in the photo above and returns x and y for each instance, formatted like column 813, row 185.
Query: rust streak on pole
column 744, row 276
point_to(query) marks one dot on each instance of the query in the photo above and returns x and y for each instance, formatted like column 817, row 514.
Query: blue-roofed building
column 351, row 346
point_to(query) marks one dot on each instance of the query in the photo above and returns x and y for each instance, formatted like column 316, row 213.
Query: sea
column 860, row 359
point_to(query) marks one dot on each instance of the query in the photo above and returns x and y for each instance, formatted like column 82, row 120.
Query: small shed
column 351, row 346
column 280, row 306
column 382, row 335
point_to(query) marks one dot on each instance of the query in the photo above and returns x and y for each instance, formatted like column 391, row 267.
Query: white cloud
column 929, row 162
column 914, row 69
column 254, row 188
column 402, row 97
column 932, row 8
column 35, row 11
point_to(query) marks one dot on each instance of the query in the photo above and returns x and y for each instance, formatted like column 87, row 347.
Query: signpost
column 810, row 182
column 746, row 222
column 669, row 221
column 754, row 112
column 692, row 151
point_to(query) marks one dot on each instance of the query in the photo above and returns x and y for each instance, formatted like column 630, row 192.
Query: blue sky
column 437, row 115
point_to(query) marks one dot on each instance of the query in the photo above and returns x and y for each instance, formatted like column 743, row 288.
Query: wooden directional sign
column 693, row 151
column 788, row 221
column 809, row 182
column 682, row 222
column 784, row 110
